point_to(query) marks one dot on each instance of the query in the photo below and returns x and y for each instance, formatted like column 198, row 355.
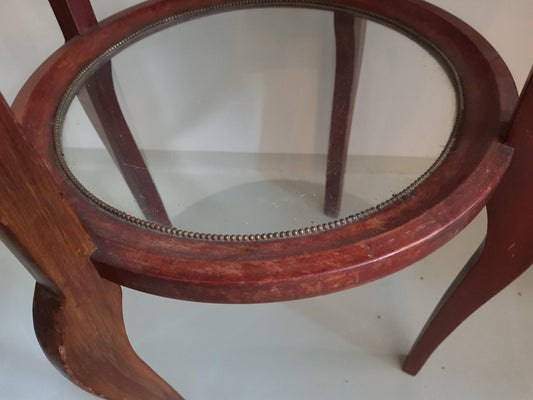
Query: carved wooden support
column 77, row 314
column 349, row 41
column 99, row 99
column 507, row 251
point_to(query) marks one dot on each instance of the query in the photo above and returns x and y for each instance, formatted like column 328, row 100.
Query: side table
column 81, row 250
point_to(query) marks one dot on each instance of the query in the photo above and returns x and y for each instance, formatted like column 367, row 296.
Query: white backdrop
column 262, row 80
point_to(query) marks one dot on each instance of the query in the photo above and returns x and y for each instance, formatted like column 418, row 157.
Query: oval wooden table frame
column 149, row 257
column 308, row 265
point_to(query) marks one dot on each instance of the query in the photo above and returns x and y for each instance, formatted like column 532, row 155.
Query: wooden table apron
column 308, row 265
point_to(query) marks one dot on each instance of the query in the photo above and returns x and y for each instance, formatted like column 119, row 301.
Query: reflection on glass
column 232, row 112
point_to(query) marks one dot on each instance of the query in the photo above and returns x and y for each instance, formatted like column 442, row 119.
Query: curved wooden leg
column 100, row 102
column 508, row 248
column 349, row 42
column 99, row 99
column 77, row 314
column 84, row 337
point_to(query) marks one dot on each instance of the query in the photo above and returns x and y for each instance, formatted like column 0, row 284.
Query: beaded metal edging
column 330, row 6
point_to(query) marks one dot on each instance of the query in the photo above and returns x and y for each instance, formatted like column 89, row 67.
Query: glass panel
column 232, row 113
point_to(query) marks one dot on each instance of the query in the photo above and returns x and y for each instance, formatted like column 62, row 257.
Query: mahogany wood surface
column 99, row 99
column 349, row 43
column 100, row 102
column 75, row 17
column 280, row 269
column 77, row 314
column 507, row 250
column 79, row 253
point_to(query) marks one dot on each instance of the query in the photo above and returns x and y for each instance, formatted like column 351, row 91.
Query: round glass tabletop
column 230, row 115
column 229, row 139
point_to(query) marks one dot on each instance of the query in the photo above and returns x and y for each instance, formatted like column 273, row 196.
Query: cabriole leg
column 508, row 247
column 77, row 314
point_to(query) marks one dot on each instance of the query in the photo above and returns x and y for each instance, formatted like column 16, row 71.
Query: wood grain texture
column 508, row 248
column 78, row 252
column 77, row 314
column 308, row 265
column 349, row 43
column 99, row 100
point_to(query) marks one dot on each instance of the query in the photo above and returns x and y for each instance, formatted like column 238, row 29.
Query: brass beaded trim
column 78, row 81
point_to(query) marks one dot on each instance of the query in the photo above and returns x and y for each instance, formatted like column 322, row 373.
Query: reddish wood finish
column 349, row 41
column 77, row 314
column 100, row 101
column 75, row 17
column 310, row 265
column 507, row 251
column 101, row 105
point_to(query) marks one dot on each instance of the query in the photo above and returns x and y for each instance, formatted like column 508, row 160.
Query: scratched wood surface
column 350, row 34
column 77, row 314
column 79, row 253
column 308, row 265
column 99, row 100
